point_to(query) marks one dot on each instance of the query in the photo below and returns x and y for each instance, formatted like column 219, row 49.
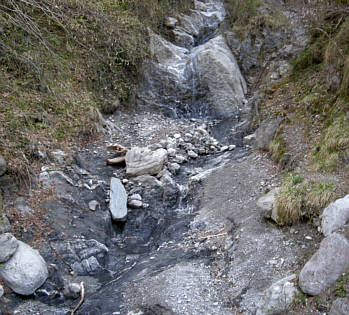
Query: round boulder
column 26, row 270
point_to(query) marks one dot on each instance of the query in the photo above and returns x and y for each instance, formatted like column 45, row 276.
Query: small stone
column 8, row 246
column 340, row 307
column 118, row 200
column 308, row 238
column 248, row 140
column 192, row 154
column 93, row 204
column 173, row 168
column 1, row 291
column 135, row 204
column 224, row 148
column 135, row 197
column 125, row 181
column 179, row 159
column 176, row 136
column 72, row 290
column 231, row 147
column 171, row 152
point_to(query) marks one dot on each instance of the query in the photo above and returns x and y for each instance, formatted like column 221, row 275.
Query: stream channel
column 194, row 247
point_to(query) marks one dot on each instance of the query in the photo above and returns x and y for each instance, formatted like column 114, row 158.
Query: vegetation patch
column 301, row 199
column 62, row 61
column 252, row 16
column 334, row 146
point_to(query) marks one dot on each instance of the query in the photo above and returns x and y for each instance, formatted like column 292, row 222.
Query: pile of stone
column 155, row 166
column 21, row 267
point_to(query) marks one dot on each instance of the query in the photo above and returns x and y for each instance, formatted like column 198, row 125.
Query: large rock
column 3, row 165
column 86, row 257
column 326, row 265
column 8, row 246
column 266, row 202
column 340, row 307
column 266, row 132
column 278, row 297
column 335, row 215
column 220, row 76
column 118, row 200
column 140, row 161
column 26, row 271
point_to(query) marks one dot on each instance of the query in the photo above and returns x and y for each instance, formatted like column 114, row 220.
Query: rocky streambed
column 177, row 229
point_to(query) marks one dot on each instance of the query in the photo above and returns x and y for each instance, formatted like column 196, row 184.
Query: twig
column 115, row 161
column 81, row 299
column 204, row 238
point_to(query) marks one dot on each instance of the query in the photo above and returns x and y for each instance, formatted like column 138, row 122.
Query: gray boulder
column 278, row 297
column 326, row 265
column 266, row 202
column 118, row 200
column 84, row 256
column 340, row 307
column 219, row 72
column 335, row 215
column 1, row 291
column 140, row 161
column 3, row 165
column 26, row 270
column 266, row 132
column 8, row 246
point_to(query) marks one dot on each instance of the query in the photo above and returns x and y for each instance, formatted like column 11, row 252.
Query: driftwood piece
column 117, row 160
column 118, row 149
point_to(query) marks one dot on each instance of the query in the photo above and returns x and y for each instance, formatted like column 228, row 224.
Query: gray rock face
column 340, row 307
column 118, row 200
column 266, row 133
column 140, row 161
column 171, row 191
column 218, row 71
column 335, row 215
column 8, row 246
column 326, row 265
column 26, row 270
column 278, row 297
column 84, row 256
column 3, row 165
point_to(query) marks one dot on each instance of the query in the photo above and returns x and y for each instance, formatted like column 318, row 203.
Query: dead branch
column 119, row 149
column 115, row 161
column 81, row 299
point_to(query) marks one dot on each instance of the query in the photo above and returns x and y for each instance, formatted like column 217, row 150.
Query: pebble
column 93, row 204
column 176, row 136
column 192, row 154
column 309, row 238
